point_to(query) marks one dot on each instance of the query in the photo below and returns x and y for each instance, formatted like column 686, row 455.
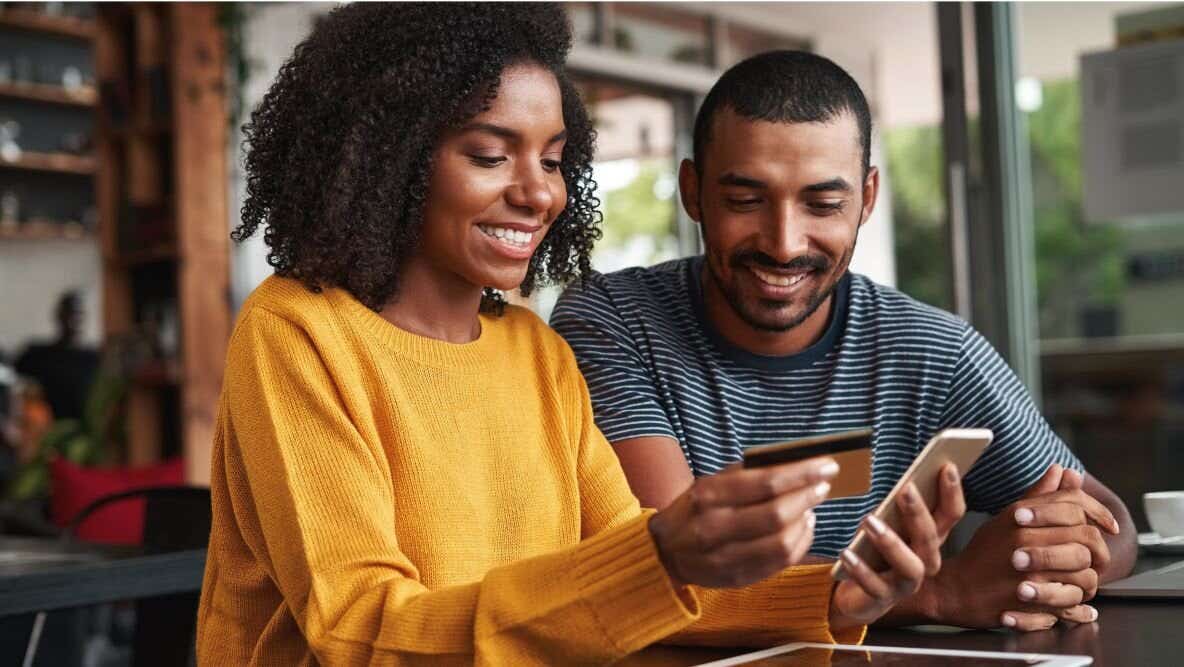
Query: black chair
column 175, row 518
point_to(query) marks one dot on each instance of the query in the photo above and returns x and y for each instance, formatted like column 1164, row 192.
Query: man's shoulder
column 630, row 290
column 888, row 311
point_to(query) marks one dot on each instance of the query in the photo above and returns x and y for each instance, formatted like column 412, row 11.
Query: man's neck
column 743, row 335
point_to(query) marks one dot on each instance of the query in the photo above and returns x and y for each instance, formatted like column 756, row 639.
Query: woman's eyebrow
column 507, row 133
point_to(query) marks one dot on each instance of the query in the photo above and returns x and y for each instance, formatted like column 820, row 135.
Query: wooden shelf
column 56, row 163
column 64, row 26
column 50, row 231
column 86, row 96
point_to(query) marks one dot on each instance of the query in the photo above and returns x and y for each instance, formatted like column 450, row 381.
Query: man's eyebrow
column 507, row 133
column 732, row 178
column 835, row 184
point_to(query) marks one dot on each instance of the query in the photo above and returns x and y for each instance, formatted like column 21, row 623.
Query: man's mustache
column 803, row 262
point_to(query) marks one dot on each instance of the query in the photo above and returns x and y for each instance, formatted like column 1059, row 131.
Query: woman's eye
column 551, row 165
column 486, row 161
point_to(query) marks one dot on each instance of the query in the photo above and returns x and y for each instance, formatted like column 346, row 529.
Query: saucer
column 1152, row 543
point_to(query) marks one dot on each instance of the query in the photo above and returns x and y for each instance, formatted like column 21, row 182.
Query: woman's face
column 495, row 187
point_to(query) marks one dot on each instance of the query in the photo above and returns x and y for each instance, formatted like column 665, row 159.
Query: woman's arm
column 315, row 497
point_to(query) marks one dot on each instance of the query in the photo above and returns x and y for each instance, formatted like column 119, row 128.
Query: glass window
column 1110, row 287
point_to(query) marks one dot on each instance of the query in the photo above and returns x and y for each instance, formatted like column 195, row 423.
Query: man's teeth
column 779, row 280
column 510, row 236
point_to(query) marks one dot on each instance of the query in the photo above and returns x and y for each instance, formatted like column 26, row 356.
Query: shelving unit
column 22, row 19
column 162, row 193
column 84, row 96
column 53, row 163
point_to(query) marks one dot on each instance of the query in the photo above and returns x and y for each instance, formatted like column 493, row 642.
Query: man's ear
column 688, row 189
column 871, row 188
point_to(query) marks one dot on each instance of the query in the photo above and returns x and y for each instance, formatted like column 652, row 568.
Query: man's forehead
column 737, row 140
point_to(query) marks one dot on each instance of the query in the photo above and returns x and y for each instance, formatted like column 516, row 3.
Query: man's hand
column 1033, row 563
column 867, row 595
column 741, row 526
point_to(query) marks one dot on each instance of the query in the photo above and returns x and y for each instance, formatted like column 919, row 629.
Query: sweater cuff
column 628, row 589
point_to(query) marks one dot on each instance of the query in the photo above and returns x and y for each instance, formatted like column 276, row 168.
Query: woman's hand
column 867, row 595
column 741, row 526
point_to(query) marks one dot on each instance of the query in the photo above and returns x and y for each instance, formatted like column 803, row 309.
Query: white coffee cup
column 1165, row 512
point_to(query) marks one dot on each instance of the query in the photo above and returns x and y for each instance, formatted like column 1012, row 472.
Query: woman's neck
column 435, row 304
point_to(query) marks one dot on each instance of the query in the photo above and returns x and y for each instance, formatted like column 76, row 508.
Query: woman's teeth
column 777, row 279
column 510, row 236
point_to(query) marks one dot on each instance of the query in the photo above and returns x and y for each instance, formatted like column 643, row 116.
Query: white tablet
column 839, row 655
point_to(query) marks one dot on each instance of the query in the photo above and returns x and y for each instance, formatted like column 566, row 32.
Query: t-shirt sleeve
column 985, row 393
column 625, row 397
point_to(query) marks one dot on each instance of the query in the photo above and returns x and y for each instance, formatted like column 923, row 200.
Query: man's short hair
column 785, row 87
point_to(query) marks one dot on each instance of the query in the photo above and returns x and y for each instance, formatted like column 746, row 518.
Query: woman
column 406, row 469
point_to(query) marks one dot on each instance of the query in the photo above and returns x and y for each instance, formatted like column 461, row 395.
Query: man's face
column 780, row 205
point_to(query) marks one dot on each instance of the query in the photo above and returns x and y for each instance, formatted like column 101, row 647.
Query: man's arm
column 656, row 469
column 1123, row 546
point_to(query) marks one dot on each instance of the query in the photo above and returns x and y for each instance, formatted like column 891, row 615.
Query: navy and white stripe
column 655, row 366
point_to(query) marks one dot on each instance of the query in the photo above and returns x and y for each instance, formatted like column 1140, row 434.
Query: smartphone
column 852, row 450
column 960, row 446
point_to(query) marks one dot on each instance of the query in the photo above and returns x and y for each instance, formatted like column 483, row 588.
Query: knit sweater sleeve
column 321, row 496
column 791, row 606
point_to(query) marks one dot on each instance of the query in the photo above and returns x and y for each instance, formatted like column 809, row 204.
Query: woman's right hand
column 742, row 525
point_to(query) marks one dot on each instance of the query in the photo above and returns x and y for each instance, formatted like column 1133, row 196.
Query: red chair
column 73, row 488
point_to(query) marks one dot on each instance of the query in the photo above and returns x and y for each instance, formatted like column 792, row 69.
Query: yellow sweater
column 385, row 498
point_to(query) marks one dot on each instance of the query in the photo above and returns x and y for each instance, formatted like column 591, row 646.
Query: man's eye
column 486, row 161
column 827, row 207
column 743, row 203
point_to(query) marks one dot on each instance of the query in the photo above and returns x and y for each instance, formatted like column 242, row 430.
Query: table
column 1136, row 632
column 39, row 574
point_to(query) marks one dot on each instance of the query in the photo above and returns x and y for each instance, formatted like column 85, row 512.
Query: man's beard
column 750, row 312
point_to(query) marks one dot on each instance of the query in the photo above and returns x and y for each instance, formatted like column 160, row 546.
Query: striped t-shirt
column 655, row 366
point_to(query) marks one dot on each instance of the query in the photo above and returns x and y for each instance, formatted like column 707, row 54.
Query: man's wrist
column 924, row 606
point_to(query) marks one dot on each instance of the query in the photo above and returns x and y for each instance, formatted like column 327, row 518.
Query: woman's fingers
column 905, row 565
column 743, row 563
column 739, row 487
column 873, row 584
column 723, row 524
column 952, row 503
column 920, row 528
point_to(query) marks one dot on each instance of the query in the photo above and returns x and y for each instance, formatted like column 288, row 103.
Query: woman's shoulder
column 285, row 302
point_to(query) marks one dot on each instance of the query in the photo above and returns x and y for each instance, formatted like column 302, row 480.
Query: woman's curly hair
column 340, row 149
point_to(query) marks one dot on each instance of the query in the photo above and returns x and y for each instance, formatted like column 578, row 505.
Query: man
column 63, row 367
column 767, row 337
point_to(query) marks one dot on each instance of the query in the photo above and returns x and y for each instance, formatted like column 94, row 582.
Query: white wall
column 33, row 274
column 271, row 34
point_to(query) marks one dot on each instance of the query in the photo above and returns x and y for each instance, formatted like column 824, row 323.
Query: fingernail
column 849, row 558
column 811, row 519
column 821, row 489
column 1020, row 559
column 1024, row 516
column 1009, row 620
column 1027, row 591
column 910, row 496
column 951, row 476
column 878, row 526
column 828, row 469
column 1093, row 614
column 1114, row 522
